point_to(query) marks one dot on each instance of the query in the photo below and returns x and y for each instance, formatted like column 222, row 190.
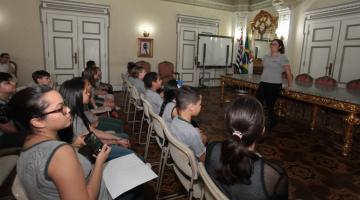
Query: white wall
column 21, row 34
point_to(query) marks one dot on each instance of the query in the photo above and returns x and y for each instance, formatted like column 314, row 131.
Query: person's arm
column 202, row 158
column 93, row 103
column 109, row 138
column 8, row 128
column 288, row 75
column 70, row 180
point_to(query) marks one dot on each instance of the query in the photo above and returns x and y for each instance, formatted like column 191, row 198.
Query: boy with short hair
column 152, row 83
column 188, row 103
column 8, row 132
column 41, row 77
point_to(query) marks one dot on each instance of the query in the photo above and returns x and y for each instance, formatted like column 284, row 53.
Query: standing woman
column 275, row 63
column 48, row 168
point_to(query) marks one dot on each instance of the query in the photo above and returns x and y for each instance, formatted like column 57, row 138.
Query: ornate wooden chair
column 325, row 81
column 353, row 85
column 305, row 79
column 166, row 71
column 145, row 65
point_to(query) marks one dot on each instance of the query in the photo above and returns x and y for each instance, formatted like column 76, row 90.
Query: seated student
column 130, row 66
column 8, row 132
column 188, row 103
column 41, row 77
column 235, row 166
column 76, row 94
column 7, row 65
column 48, row 168
column 138, row 74
column 168, row 109
column 152, row 83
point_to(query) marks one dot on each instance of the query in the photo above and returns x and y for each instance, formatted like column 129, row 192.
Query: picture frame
column 145, row 47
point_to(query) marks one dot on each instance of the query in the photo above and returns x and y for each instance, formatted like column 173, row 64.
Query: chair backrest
column 158, row 126
column 18, row 189
column 210, row 189
column 145, row 65
column 325, row 81
column 353, row 85
column 166, row 69
column 304, row 79
column 185, row 163
column 135, row 95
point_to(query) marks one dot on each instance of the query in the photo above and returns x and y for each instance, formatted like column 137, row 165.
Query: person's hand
column 79, row 141
column 103, row 154
column 123, row 142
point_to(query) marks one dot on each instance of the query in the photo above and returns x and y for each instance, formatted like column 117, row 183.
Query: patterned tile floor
column 312, row 159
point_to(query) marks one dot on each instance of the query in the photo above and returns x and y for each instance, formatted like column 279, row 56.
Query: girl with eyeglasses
column 49, row 168
column 275, row 63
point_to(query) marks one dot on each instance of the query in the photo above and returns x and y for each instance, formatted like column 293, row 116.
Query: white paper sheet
column 125, row 173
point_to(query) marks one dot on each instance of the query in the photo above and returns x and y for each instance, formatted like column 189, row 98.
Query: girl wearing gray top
column 48, row 168
column 271, row 79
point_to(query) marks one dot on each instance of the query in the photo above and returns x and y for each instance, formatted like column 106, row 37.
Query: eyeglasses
column 62, row 109
column 274, row 44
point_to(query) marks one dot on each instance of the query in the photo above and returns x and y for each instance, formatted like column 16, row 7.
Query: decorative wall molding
column 75, row 6
column 228, row 5
column 186, row 19
column 334, row 11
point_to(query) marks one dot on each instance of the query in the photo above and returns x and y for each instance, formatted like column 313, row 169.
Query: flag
column 239, row 56
column 247, row 55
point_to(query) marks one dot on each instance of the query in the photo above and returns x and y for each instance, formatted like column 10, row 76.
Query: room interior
column 157, row 31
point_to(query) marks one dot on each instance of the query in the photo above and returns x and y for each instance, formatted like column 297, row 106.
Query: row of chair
column 166, row 69
column 325, row 81
column 189, row 171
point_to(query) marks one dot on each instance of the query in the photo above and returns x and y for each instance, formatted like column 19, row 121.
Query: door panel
column 62, row 46
column 91, row 40
column 187, row 50
column 347, row 58
column 321, row 47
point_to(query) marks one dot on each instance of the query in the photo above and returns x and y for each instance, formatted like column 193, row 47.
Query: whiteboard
column 215, row 50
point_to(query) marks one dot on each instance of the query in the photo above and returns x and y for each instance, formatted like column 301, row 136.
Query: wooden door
column 187, row 51
column 62, row 55
column 71, row 41
column 92, row 43
column 320, row 49
column 347, row 64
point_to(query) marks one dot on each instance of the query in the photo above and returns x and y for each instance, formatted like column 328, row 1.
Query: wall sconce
column 146, row 31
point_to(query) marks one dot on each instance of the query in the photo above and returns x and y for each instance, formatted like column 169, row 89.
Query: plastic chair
column 185, row 165
column 136, row 102
column 145, row 65
column 210, row 189
column 166, row 71
column 18, row 189
column 147, row 118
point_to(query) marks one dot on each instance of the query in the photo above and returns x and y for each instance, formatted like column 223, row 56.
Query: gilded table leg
column 350, row 121
column 313, row 117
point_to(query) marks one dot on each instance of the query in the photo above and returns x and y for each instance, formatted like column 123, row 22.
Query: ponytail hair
column 170, row 89
column 244, row 120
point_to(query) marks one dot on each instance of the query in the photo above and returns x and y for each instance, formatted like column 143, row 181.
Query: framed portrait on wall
column 145, row 47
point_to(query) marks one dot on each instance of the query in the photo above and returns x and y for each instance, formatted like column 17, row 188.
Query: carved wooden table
column 335, row 98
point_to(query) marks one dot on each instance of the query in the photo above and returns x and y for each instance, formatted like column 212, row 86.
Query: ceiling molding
column 228, row 5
